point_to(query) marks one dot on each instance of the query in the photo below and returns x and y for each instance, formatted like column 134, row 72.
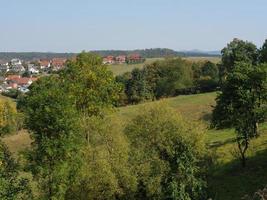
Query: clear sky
column 76, row 25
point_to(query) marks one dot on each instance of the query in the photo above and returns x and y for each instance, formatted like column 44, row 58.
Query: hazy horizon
column 73, row 26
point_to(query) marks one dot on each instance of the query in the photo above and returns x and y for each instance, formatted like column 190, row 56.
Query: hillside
column 227, row 179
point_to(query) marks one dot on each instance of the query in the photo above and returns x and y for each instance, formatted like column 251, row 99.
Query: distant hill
column 27, row 56
column 146, row 53
column 158, row 52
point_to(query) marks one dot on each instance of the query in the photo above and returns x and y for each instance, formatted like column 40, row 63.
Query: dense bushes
column 166, row 153
column 12, row 186
column 158, row 155
column 167, row 78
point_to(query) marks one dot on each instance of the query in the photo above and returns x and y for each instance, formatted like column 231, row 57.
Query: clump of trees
column 170, row 77
column 241, row 104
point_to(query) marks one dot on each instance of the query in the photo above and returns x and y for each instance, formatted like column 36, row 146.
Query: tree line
column 169, row 77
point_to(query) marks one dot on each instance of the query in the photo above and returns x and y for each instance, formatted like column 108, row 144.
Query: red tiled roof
column 58, row 61
column 20, row 80
column 44, row 62
column 12, row 77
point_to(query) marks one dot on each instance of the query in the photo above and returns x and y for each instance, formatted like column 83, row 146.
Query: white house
column 32, row 69
column 16, row 61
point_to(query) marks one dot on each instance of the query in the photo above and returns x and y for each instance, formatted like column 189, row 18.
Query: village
column 17, row 74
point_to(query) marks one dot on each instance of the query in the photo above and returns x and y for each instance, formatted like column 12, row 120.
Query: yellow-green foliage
column 8, row 116
column 165, row 151
column 106, row 173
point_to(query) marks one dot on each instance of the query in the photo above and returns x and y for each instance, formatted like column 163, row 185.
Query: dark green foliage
column 242, row 103
column 210, row 69
column 174, row 74
column 52, row 121
column 263, row 52
column 167, row 78
column 206, row 76
column 237, row 51
column 137, row 88
column 12, row 187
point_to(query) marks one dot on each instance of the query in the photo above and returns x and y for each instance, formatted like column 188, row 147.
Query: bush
column 8, row 117
column 166, row 152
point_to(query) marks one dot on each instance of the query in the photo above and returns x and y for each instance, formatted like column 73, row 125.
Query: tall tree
column 91, row 84
column 242, row 103
column 237, row 51
column 51, row 119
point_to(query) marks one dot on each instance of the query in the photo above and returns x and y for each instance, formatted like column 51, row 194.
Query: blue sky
column 76, row 25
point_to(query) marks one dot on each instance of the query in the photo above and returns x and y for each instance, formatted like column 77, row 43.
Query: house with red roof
column 109, row 60
column 44, row 64
column 58, row 63
column 120, row 59
column 20, row 81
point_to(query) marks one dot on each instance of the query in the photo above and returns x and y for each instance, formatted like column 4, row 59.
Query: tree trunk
column 243, row 160
column 243, row 149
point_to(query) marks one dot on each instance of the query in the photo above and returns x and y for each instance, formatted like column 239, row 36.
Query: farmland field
column 122, row 68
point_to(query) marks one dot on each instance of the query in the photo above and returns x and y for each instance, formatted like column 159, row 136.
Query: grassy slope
column 122, row 68
column 227, row 180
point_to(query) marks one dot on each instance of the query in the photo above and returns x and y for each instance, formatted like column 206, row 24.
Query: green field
column 227, row 180
column 122, row 68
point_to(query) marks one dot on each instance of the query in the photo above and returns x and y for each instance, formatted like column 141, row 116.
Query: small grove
column 80, row 150
column 169, row 77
